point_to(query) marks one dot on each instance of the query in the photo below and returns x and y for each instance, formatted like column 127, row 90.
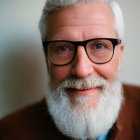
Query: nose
column 82, row 66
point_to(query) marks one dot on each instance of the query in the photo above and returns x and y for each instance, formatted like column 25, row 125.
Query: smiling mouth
column 82, row 92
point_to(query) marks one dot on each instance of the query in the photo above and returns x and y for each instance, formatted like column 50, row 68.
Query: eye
column 63, row 48
column 99, row 46
column 60, row 48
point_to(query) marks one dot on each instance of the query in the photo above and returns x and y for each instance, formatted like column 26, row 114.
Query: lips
column 82, row 92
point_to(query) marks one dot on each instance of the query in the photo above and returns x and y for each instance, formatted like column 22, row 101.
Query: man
column 84, row 99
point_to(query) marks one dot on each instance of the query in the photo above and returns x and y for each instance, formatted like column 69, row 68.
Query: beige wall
column 22, row 65
column 131, row 63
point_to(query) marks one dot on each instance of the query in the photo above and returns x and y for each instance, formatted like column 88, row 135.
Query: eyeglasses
column 98, row 50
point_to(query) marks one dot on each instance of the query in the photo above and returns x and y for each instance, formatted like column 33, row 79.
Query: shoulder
column 131, row 102
column 34, row 109
column 127, row 126
column 129, row 117
column 131, row 92
column 22, row 121
column 30, row 123
column 135, row 89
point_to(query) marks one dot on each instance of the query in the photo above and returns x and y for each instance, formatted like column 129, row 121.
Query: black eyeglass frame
column 114, row 42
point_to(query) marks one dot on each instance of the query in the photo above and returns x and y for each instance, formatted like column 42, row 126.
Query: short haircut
column 53, row 5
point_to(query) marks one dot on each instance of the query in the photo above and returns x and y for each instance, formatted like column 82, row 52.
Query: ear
column 121, row 48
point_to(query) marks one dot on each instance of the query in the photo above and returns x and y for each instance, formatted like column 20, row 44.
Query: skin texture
column 78, row 23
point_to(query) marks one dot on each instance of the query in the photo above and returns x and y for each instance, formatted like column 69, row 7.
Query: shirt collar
column 104, row 136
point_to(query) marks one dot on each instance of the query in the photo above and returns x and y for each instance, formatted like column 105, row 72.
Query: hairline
column 43, row 24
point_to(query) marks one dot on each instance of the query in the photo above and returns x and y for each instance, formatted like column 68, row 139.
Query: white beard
column 76, row 119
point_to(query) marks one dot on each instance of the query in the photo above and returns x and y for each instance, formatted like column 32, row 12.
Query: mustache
column 84, row 83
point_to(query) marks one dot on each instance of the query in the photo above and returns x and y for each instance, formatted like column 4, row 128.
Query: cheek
column 109, row 70
column 59, row 73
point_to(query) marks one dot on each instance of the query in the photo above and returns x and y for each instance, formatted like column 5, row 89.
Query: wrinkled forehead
column 83, row 11
column 81, row 15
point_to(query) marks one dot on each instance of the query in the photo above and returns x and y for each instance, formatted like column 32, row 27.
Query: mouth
column 82, row 92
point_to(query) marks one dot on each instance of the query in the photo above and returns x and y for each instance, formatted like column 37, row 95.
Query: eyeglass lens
column 98, row 51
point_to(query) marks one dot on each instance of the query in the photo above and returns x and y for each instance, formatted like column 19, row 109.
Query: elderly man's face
column 78, row 23
column 84, row 98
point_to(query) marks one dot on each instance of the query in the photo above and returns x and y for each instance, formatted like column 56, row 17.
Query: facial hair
column 71, row 114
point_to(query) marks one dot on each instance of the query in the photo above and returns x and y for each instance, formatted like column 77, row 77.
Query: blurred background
column 22, row 62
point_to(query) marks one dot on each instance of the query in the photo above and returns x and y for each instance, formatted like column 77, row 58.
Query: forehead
column 85, row 16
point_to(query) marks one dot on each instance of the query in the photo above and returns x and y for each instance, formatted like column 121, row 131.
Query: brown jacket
column 34, row 122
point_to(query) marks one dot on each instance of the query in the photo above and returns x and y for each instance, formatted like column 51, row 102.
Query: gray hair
column 53, row 5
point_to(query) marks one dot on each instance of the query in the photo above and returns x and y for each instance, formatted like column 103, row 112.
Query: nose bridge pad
column 75, row 53
column 80, row 44
column 87, row 53
column 76, row 50
column 85, row 45
column 81, row 68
